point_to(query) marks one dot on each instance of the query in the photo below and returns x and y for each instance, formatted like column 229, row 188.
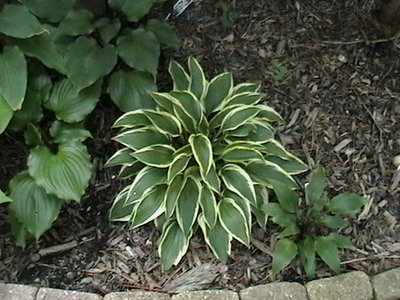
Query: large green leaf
column 307, row 256
column 198, row 82
column 217, row 238
column 179, row 76
column 285, row 251
column 164, row 32
column 316, row 186
column 219, row 88
column 188, row 205
column 32, row 206
column 64, row 132
column 340, row 240
column 237, row 180
column 4, row 198
column 51, row 10
column 17, row 21
column 292, row 166
column 233, row 220
column 65, row 174
column 208, row 206
column 346, row 203
column 18, row 230
column 108, row 29
column 134, row 10
column 13, row 76
column 150, row 206
column 86, row 62
column 141, row 138
column 173, row 245
column 71, row 105
column 140, row 50
column 6, row 114
column 131, row 90
column 202, row 151
column 328, row 251
column 159, row 156
column 77, row 22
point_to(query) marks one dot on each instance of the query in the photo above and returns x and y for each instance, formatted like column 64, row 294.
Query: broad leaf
column 6, row 114
column 285, row 251
column 189, row 104
column 141, row 138
column 108, row 28
column 164, row 32
column 346, row 203
column 131, row 90
column 172, row 194
column 84, row 54
column 208, row 206
column 13, row 76
column 217, row 238
column 328, row 251
column 233, row 220
column 179, row 76
column 77, row 22
column 288, row 198
column 219, row 88
column 134, row 10
column 238, row 116
column 133, row 119
column 269, row 114
column 316, row 186
column 18, row 230
column 202, row 151
column 243, row 99
column 198, row 83
column 212, row 179
column 173, row 245
column 340, row 240
column 17, row 21
column 246, row 87
column 241, row 154
column 178, row 165
column 71, row 105
column 119, row 211
column 164, row 122
column 160, row 156
column 51, row 10
column 63, row 132
column 32, row 206
column 65, row 174
column 140, row 50
column 33, row 136
column 121, row 157
column 334, row 222
column 4, row 198
column 188, row 205
column 307, row 256
column 292, row 166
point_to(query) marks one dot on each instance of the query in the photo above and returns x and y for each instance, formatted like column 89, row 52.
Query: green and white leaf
column 142, row 137
column 217, row 238
column 165, row 122
column 179, row 76
column 178, row 165
column 119, row 211
column 173, row 193
column 208, row 204
column 159, row 156
column 173, row 245
column 122, row 157
column 202, row 151
column 219, row 88
column 188, row 205
column 198, row 82
column 233, row 219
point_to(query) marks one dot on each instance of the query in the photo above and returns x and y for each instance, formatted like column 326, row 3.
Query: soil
column 339, row 92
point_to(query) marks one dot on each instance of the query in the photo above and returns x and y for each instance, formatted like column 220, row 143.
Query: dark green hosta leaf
column 179, row 76
column 6, row 114
column 178, row 165
column 233, row 220
column 202, row 151
column 134, row 10
column 122, row 157
column 130, row 172
column 340, row 240
column 119, row 211
column 328, row 251
column 334, row 222
column 243, row 203
column 285, row 251
column 43, row 47
column 159, row 156
column 108, row 28
column 141, row 137
column 316, row 186
column 131, row 90
column 71, row 105
column 18, row 230
column 188, row 205
column 307, row 256
column 33, row 136
column 150, row 206
column 77, row 22
column 86, row 62
column 144, row 181
column 17, row 21
column 238, row 116
column 63, row 132
column 237, row 180
column 140, row 50
column 212, row 179
column 173, row 192
column 288, row 198
column 219, row 88
column 208, row 206
column 198, row 82
column 13, row 76
column 32, row 206
column 51, row 10
column 65, row 174
column 173, row 245
column 346, row 203
column 4, row 198
column 164, row 32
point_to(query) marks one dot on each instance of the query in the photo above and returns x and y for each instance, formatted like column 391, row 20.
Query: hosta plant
column 205, row 158
column 311, row 226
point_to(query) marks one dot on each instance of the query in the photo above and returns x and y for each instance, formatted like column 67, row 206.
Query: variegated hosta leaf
column 133, row 119
column 237, row 180
column 219, row 88
column 144, row 180
column 261, row 198
column 189, row 103
column 269, row 114
column 165, row 101
column 291, row 166
column 179, row 76
column 173, row 193
column 238, row 116
column 246, row 87
column 160, row 156
column 122, row 157
column 119, row 211
column 65, row 174
column 241, row 154
column 243, row 99
column 202, row 151
column 243, row 203
column 150, row 206
column 233, row 220
column 129, row 172
column 164, row 122
column 188, row 205
column 139, row 138
column 178, row 165
column 32, row 206
column 173, row 245
column 212, row 179
column 198, row 82
column 208, row 206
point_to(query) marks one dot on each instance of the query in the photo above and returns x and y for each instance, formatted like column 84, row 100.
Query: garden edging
column 355, row 285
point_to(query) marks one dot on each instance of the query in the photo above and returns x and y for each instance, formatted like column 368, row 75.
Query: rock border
column 355, row 285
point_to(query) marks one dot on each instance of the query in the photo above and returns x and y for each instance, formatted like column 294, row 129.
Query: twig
column 58, row 248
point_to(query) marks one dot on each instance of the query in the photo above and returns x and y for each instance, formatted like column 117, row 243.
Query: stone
column 207, row 295
column 275, row 291
column 52, row 294
column 17, row 292
column 387, row 285
column 137, row 295
column 349, row 286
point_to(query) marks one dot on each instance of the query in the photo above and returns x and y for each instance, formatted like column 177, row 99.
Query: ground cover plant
column 58, row 59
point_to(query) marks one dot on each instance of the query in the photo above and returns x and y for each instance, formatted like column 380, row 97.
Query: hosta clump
column 205, row 156
column 311, row 226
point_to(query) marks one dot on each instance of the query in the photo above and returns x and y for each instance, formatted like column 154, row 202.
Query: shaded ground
column 340, row 96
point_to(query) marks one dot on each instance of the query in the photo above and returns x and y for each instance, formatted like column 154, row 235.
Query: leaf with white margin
column 202, row 151
column 233, row 220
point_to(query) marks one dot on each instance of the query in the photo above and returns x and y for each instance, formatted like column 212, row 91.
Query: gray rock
column 349, row 286
column 207, row 295
column 17, row 292
column 53, row 294
column 137, row 295
column 275, row 291
column 387, row 285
